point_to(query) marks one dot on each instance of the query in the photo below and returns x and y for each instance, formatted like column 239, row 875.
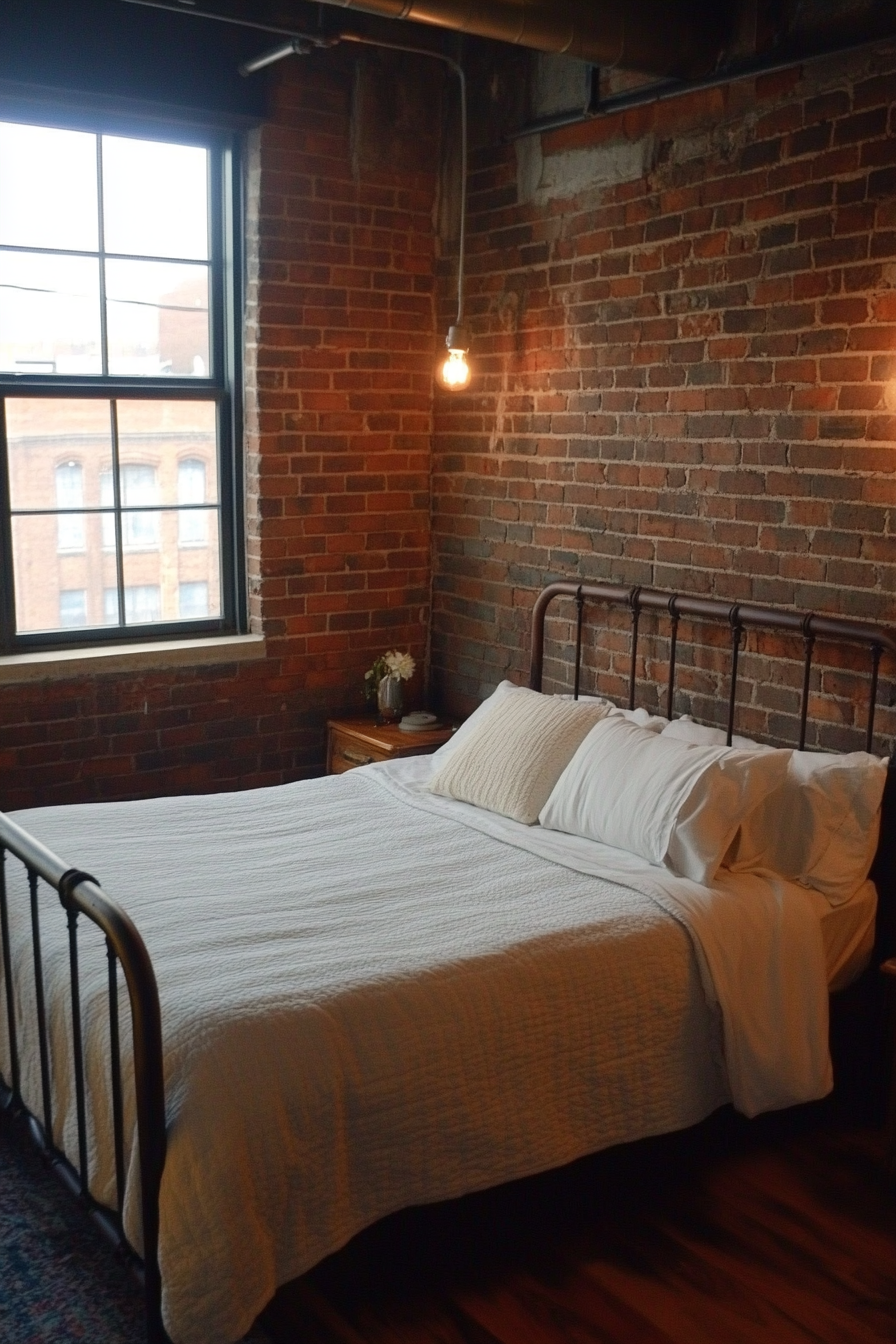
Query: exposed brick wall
column 338, row 372
column 687, row 369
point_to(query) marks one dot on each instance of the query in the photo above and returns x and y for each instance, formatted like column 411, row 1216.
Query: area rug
column 60, row 1281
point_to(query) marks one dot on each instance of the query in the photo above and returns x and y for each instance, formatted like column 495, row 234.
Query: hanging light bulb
column 454, row 372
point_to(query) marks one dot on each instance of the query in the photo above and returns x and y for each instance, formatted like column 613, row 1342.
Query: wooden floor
column 775, row 1231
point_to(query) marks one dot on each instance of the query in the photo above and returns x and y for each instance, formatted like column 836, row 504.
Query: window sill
column 59, row 664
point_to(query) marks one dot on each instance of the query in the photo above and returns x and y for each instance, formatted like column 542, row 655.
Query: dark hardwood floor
column 780, row 1230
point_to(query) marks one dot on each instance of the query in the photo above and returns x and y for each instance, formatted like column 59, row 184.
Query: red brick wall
column 687, row 373
column 340, row 338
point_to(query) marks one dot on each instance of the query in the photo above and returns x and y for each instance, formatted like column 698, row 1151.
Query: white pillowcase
column 643, row 717
column 687, row 730
column 672, row 802
column 513, row 756
column 820, row 826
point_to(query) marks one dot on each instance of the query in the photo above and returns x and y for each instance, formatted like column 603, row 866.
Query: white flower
column 400, row 665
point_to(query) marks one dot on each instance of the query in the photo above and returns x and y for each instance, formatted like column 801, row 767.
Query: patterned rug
column 60, row 1281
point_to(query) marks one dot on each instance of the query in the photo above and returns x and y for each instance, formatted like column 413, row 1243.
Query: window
column 142, row 604
column 70, row 495
column 139, row 489
column 192, row 599
column 192, row 524
column 117, row 370
column 72, row 607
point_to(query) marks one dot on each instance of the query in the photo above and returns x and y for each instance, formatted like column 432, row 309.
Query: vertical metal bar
column 807, row 672
column 117, row 505
column 580, row 608
column 101, row 246
column 41, row 1010
column 77, row 1049
column 7, row 980
column 673, row 642
column 736, row 632
column 115, row 1065
column 876, row 652
column 636, row 614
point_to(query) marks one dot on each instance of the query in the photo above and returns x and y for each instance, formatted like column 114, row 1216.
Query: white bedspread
column 370, row 1002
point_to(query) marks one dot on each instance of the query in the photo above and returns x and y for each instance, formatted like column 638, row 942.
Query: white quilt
column 369, row 1002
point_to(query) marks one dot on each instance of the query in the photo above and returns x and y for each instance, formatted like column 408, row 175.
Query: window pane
column 47, row 188
column 42, row 575
column 72, row 607
column 170, row 432
column 157, row 315
column 155, row 198
column 170, row 566
column 45, row 433
column 49, row 314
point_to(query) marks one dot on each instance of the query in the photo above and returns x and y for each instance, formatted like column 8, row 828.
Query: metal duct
column 663, row 37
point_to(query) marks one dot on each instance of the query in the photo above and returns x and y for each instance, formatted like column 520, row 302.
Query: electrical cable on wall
column 454, row 372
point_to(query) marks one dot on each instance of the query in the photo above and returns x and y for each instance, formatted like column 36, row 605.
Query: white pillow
column 686, row 730
column 471, row 724
column 643, row 717
column 669, row 801
column 514, row 755
column 820, row 827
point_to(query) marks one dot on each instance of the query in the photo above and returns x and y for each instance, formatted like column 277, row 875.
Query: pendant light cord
column 305, row 42
column 458, row 70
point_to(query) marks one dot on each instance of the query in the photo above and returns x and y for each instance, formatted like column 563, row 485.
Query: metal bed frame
column 80, row 893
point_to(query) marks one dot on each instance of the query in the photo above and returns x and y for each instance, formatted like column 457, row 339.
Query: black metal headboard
column 740, row 617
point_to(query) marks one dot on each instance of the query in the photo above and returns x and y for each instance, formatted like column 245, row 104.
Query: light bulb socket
column 458, row 338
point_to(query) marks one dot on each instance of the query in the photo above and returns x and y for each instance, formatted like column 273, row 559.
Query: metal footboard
column 79, row 893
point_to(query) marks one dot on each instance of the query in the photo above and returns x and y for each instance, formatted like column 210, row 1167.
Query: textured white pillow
column 669, row 801
column 820, row 827
column 513, row 757
column 471, row 724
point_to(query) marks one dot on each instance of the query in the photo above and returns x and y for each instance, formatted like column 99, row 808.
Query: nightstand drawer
column 354, row 742
column 346, row 752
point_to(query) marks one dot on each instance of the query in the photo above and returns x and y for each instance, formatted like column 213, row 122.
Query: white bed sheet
column 369, row 1004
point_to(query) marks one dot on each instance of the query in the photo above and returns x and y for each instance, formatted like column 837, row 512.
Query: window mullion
column 7, row 595
column 116, row 500
column 101, row 242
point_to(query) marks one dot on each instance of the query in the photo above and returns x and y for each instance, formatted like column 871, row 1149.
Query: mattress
column 370, row 1001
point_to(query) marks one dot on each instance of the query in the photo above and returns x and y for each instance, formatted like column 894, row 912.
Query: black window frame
column 223, row 386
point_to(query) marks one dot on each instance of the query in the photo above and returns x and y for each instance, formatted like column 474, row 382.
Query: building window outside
column 193, row 600
column 70, row 495
column 142, row 604
column 192, row 523
column 114, row 396
column 72, row 608
column 139, row 488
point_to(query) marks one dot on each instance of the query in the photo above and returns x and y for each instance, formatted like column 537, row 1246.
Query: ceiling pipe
column 674, row 38
column 644, row 95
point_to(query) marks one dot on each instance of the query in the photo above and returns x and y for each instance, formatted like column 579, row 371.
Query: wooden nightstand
column 354, row 742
